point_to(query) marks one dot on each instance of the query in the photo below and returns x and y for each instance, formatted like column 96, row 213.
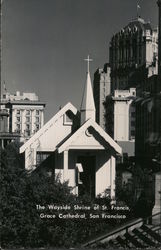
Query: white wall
column 121, row 121
column 54, row 135
column 104, row 172
column 49, row 138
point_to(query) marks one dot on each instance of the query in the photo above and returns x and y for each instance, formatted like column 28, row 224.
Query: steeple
column 87, row 106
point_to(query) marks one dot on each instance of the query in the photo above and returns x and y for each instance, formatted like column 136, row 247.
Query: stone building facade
column 134, row 47
column 101, row 89
column 25, row 113
column 148, row 110
column 120, row 118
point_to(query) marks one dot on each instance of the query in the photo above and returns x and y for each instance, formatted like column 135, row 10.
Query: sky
column 45, row 42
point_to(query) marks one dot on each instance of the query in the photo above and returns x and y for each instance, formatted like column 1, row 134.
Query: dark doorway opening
column 87, row 176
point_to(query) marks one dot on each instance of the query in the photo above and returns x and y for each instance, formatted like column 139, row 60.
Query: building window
column 67, row 120
column 132, row 132
column 18, row 128
column 133, row 123
column 132, row 114
column 27, row 132
column 27, row 126
column 37, row 119
column 37, row 112
column 41, row 156
column 18, row 112
column 18, row 119
column 27, row 119
column 37, row 127
column 28, row 112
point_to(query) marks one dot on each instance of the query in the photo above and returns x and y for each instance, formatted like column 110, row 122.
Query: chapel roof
column 100, row 132
column 35, row 137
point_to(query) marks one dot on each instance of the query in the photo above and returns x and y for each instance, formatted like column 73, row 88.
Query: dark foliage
column 21, row 225
column 138, row 192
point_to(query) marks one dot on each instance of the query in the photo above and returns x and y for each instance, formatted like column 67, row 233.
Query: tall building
column 25, row 113
column 120, row 118
column 6, row 136
column 148, row 113
column 148, row 126
column 133, row 61
column 101, row 88
column 147, row 122
column 133, row 50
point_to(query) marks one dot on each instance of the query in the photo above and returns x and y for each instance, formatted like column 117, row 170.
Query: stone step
column 132, row 239
column 150, row 230
column 123, row 242
column 113, row 234
column 140, row 234
column 114, row 243
column 137, row 238
column 156, row 228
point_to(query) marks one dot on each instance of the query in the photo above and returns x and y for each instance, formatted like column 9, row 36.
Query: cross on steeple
column 88, row 60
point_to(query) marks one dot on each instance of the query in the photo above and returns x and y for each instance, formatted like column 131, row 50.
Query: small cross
column 88, row 60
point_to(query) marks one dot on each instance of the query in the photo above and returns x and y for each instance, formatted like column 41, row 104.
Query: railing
column 124, row 229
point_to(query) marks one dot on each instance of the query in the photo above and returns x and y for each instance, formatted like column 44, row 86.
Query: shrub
column 21, row 223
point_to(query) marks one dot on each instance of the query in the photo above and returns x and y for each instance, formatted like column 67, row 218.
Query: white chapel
column 72, row 145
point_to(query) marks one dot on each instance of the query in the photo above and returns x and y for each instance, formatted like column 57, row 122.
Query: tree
column 12, row 179
column 21, row 223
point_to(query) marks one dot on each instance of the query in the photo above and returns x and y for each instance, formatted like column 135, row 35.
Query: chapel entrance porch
column 87, row 176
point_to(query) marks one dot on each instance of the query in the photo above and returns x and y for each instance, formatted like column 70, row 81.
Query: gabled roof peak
column 98, row 129
column 36, row 136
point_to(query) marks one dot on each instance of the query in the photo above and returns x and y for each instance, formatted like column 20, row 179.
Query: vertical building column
column 2, row 143
column 112, row 176
column 8, row 123
column 34, row 156
column 12, row 119
column 27, row 160
column 157, row 206
column 42, row 117
column 65, row 165
column 23, row 122
column 32, row 121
